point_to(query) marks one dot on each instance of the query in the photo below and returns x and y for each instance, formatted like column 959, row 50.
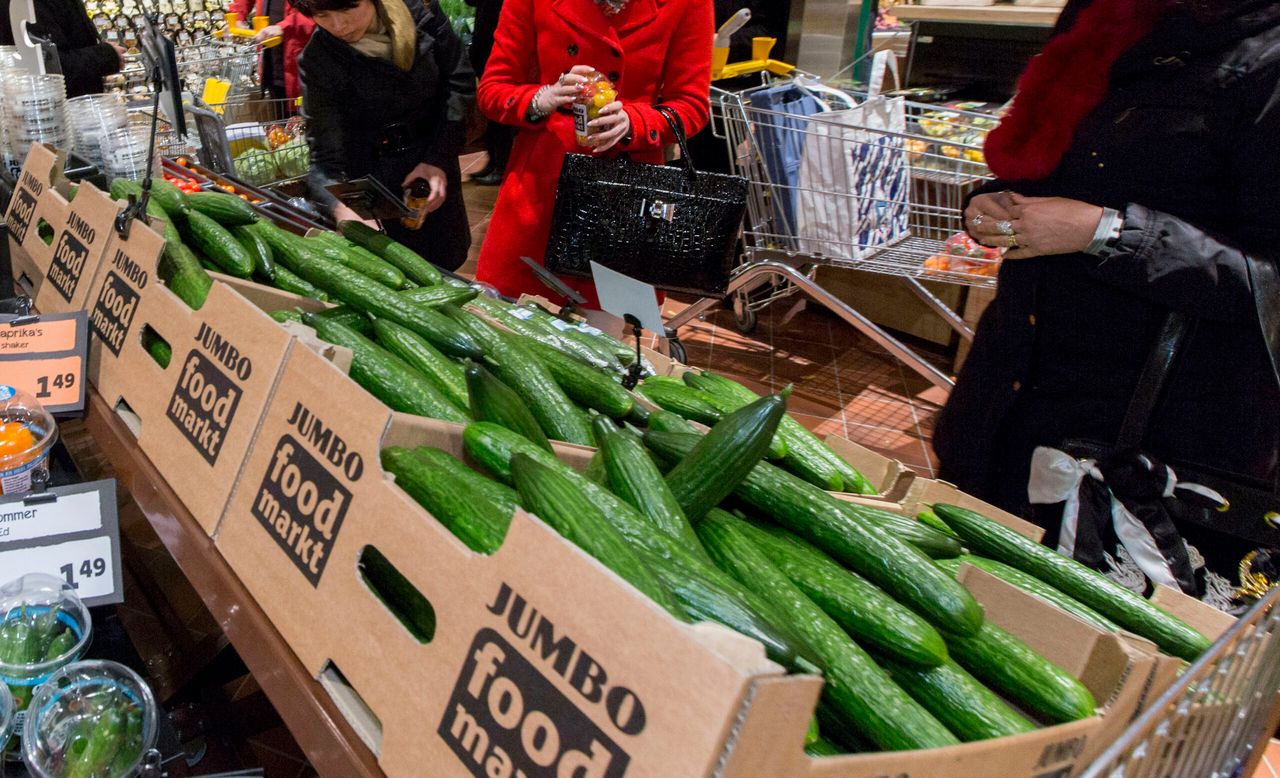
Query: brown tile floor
column 842, row 382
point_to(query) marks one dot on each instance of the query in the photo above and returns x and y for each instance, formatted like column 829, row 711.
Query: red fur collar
column 1063, row 85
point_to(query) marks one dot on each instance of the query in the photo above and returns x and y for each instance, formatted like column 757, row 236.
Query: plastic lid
column 82, row 703
column 20, row 407
column 43, row 602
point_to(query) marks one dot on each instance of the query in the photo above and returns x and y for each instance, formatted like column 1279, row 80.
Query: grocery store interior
column 602, row 388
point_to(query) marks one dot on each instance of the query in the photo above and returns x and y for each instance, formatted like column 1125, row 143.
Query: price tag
column 45, row 356
column 71, row 532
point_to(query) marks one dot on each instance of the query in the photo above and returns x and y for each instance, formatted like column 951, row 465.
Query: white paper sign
column 87, row 564
column 71, row 513
column 621, row 294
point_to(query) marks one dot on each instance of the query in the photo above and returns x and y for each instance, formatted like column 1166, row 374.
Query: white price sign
column 71, row 532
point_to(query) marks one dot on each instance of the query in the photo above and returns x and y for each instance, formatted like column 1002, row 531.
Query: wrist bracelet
column 534, row 113
column 1106, row 238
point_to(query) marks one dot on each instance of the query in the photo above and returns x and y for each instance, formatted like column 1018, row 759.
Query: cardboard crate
column 196, row 418
column 586, row 656
column 56, row 246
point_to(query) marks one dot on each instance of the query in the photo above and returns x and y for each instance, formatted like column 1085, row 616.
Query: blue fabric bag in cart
column 780, row 136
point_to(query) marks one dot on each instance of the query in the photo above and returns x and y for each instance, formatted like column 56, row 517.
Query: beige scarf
column 393, row 36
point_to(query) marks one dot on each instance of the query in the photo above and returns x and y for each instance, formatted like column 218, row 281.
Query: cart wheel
column 676, row 350
column 743, row 317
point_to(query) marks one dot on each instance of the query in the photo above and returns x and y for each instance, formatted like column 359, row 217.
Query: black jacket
column 85, row 59
column 486, row 23
column 1187, row 145
column 351, row 102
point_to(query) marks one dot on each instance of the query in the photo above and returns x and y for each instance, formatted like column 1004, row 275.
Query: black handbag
column 670, row 226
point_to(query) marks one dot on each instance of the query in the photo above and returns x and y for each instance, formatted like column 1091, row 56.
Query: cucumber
column 719, row 461
column 159, row 350
column 518, row 322
column 1131, row 611
column 284, row 278
column 171, row 199
column 1013, row 668
column 871, row 617
column 856, row 685
column 350, row 317
column 181, row 271
column 639, row 414
column 377, row 270
column 666, row 421
column 104, row 741
column 556, row 500
column 517, row 368
column 465, row 502
column 414, row 267
column 807, row 455
column 932, row 542
column 634, row 477
column 595, row 471
column 451, row 338
column 902, row 571
column 1034, row 586
column 493, row 401
column 215, row 242
column 435, row 296
column 960, row 701
column 821, row 747
column 226, row 209
column 264, row 264
column 385, row 375
column 446, row 374
column 283, row 316
column 687, row 403
column 930, row 518
column 603, row 343
column 584, row 384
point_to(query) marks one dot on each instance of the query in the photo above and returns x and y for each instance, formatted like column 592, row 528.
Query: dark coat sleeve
column 458, row 91
column 322, row 100
column 1175, row 262
column 85, row 59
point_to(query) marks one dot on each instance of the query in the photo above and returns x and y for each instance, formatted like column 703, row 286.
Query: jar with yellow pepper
column 596, row 93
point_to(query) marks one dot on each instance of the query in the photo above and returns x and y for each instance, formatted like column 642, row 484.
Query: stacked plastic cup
column 125, row 152
column 8, row 66
column 95, row 121
column 35, row 111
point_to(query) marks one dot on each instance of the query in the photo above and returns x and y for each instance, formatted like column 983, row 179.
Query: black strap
column 1151, row 382
column 677, row 127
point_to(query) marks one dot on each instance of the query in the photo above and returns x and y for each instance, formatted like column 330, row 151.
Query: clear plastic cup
column 49, row 604
column 92, row 718
column 27, row 434
column 125, row 153
column 7, row 715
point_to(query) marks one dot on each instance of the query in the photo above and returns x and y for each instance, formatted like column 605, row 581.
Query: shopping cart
column 800, row 218
column 1215, row 721
column 261, row 142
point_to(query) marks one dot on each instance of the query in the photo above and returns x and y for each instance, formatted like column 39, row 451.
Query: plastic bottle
column 415, row 199
column 596, row 94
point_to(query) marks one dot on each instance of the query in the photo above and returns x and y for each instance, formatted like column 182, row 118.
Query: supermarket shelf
column 330, row 744
column 1026, row 16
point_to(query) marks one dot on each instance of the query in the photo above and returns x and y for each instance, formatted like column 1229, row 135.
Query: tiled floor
column 842, row 382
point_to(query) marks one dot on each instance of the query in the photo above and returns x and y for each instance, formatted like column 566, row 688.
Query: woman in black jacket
column 1138, row 175
column 386, row 90
column 84, row 57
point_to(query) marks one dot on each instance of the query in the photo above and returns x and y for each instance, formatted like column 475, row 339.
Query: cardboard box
column 197, row 417
column 585, row 656
column 56, row 246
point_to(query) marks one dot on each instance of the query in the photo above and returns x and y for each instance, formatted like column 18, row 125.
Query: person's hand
column 985, row 211
column 563, row 90
column 435, row 179
column 343, row 213
column 270, row 31
column 611, row 126
column 1042, row 226
column 120, row 51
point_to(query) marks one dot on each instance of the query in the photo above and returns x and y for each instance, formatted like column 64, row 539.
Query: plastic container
column 596, row 94
column 27, row 434
column 7, row 711
column 85, row 704
column 48, row 603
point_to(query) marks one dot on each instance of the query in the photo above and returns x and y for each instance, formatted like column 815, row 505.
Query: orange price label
column 45, row 356
column 40, row 337
column 50, row 381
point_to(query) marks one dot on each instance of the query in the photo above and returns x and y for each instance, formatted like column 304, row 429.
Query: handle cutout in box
column 393, row 590
column 157, row 346
column 353, row 707
column 45, row 230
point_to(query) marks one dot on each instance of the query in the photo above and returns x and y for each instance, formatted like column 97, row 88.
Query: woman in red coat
column 279, row 64
column 654, row 51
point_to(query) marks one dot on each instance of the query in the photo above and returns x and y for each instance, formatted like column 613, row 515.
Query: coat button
column 616, row 53
column 614, row 76
column 653, row 134
column 573, row 49
column 511, row 101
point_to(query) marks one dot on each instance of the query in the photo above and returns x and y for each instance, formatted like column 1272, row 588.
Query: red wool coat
column 654, row 51
column 295, row 31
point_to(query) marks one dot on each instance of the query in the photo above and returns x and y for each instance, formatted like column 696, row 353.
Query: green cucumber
column 687, row 403
column 350, row 317
column 475, row 509
column 1013, row 668
column 929, row 540
column 555, row 499
column 436, row 296
column 518, row 321
column 634, row 477
column 930, row 518
column 721, row 459
column 181, row 271
column 60, row 645
column 172, row 199
column 385, row 375
column 215, row 242
column 807, row 455
column 264, row 264
column 493, row 401
column 856, row 685
column 603, row 343
column 446, row 374
column 130, row 751
column 414, row 267
column 870, row 616
column 1033, row 586
column 584, row 384
column 902, row 571
column 666, row 421
column 335, row 247
column 517, row 368
column 226, row 209
column 595, row 471
column 1131, row 611
column 159, row 350
column 284, row 278
column 821, row 747
column 104, row 741
column 284, row 315
column 960, row 701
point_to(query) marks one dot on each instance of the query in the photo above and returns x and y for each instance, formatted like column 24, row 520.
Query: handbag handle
column 677, row 126
column 1133, row 430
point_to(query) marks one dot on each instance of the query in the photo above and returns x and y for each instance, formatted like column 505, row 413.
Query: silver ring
column 1005, row 226
column 979, row 219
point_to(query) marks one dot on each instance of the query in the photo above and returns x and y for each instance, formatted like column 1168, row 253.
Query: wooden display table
column 1023, row 15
